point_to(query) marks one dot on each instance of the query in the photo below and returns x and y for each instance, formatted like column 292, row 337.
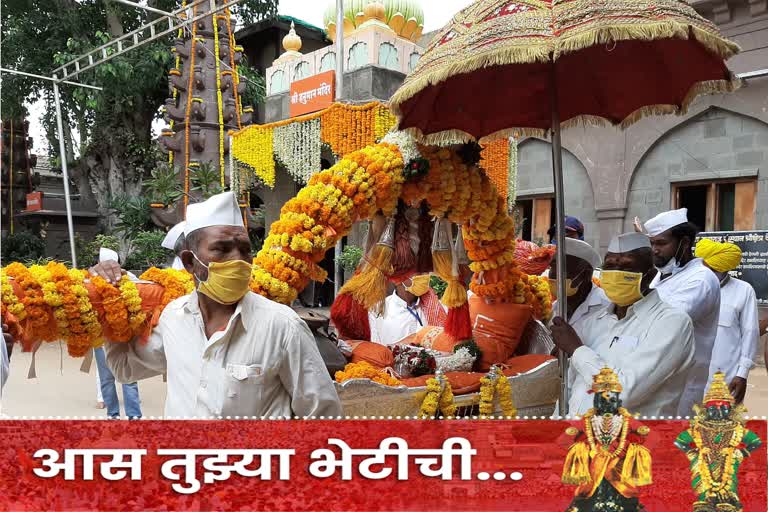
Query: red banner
column 525, row 456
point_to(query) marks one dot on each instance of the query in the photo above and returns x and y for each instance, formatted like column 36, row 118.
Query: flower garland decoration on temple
column 219, row 100
column 187, row 123
column 235, row 75
column 725, row 483
column 177, row 69
column 364, row 370
column 495, row 160
column 439, row 397
column 254, row 149
column 297, row 146
column 512, row 174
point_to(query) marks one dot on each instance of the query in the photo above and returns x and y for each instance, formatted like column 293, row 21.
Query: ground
column 61, row 389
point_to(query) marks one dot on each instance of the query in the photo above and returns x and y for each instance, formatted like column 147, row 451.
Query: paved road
column 61, row 389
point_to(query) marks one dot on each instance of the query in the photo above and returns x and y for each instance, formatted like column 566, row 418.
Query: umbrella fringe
column 448, row 137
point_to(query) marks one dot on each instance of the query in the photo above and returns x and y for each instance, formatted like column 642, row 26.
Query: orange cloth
column 497, row 328
column 380, row 356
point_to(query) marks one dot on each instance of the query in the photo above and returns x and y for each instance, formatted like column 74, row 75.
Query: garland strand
column 219, row 101
column 438, row 397
column 190, row 84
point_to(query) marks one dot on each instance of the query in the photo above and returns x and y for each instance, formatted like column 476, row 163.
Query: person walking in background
column 574, row 228
column 738, row 332
column 131, row 401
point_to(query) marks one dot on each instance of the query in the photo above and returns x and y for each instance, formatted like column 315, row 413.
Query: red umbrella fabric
column 494, row 70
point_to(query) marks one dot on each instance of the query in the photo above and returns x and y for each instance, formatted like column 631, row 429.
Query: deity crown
column 606, row 382
column 718, row 392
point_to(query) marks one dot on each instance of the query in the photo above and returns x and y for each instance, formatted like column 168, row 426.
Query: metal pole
column 339, row 275
column 41, row 77
column 145, row 7
column 63, row 154
column 557, row 174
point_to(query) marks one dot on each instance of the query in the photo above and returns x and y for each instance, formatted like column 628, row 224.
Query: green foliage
column 164, row 186
column 21, row 246
column 256, row 84
column 438, row 285
column 88, row 251
column 206, row 180
column 350, row 257
column 147, row 251
column 133, row 215
column 256, row 242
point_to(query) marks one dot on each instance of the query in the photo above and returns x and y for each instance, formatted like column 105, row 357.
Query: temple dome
column 404, row 17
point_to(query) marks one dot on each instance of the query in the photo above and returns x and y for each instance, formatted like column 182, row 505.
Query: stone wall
column 716, row 144
column 535, row 179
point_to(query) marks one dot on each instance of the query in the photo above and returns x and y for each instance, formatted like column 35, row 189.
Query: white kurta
column 396, row 322
column 651, row 350
column 695, row 290
column 265, row 363
column 595, row 301
column 738, row 331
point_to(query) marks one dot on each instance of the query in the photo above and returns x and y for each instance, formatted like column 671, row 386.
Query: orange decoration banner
column 313, row 93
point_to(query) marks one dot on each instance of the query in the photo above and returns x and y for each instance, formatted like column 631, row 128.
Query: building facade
column 714, row 160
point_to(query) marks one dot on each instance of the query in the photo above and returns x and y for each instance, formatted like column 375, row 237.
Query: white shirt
column 738, row 331
column 396, row 322
column 695, row 290
column 265, row 363
column 651, row 350
column 596, row 301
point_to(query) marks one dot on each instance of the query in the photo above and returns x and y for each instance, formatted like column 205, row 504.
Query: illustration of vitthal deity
column 716, row 444
column 607, row 460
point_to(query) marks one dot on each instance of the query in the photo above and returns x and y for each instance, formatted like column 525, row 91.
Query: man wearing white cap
column 583, row 297
column 174, row 241
column 686, row 283
column 648, row 343
column 228, row 351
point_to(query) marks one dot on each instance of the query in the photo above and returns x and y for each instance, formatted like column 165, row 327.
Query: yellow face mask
column 570, row 290
column 419, row 285
column 227, row 282
column 622, row 288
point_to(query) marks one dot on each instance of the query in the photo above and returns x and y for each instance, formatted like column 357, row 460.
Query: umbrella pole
column 557, row 174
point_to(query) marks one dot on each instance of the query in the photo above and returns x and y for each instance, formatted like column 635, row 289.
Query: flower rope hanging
column 297, row 146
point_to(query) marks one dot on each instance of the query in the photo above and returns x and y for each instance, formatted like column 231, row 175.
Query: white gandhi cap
column 629, row 242
column 169, row 242
column 107, row 255
column 219, row 210
column 667, row 220
column 582, row 250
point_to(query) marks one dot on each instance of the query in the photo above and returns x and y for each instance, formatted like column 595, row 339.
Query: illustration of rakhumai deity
column 716, row 444
column 607, row 460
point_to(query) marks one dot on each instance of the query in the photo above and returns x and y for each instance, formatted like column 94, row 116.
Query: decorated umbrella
column 524, row 67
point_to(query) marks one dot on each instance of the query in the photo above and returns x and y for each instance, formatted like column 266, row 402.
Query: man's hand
column 564, row 336
column 738, row 388
column 8, row 340
column 110, row 270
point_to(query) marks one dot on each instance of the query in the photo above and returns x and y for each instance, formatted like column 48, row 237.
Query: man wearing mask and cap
column 685, row 283
column 738, row 333
column 648, row 343
column 228, row 351
column 413, row 305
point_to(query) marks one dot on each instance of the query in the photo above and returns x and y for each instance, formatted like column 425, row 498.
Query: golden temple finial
column 292, row 41
column 718, row 391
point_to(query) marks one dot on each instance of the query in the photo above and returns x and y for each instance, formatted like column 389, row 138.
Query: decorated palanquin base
column 534, row 448
column 447, row 185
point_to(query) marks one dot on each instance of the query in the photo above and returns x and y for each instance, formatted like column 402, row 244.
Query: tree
column 115, row 147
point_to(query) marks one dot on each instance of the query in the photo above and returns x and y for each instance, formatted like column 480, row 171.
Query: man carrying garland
column 716, row 444
column 228, row 351
column 607, row 460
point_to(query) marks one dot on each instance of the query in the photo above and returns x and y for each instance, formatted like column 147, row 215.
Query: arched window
column 358, row 55
column 277, row 82
column 388, row 56
column 301, row 71
column 413, row 60
column 328, row 62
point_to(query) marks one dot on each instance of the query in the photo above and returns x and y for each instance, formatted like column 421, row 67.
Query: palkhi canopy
column 493, row 71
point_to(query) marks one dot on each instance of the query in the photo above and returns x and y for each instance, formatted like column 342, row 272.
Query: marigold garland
column 39, row 317
column 496, row 387
column 439, row 397
column 10, row 300
column 495, row 162
column 115, row 309
column 254, row 149
column 364, row 370
column 725, row 482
